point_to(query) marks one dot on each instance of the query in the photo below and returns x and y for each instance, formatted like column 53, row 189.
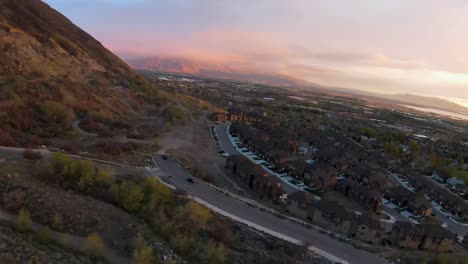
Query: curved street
column 323, row 244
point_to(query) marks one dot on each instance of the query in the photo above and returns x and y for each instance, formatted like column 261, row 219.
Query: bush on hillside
column 32, row 155
column 94, row 245
column 23, row 221
column 7, row 140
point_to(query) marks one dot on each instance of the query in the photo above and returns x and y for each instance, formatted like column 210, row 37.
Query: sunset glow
column 396, row 46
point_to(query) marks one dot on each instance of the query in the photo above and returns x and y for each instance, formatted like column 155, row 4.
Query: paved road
column 452, row 226
column 282, row 226
column 224, row 139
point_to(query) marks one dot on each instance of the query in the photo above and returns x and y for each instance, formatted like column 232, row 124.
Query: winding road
column 321, row 243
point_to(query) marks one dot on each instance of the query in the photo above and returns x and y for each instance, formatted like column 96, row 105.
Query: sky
column 394, row 46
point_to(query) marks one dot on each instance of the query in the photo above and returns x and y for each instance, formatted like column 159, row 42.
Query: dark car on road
column 191, row 180
column 165, row 157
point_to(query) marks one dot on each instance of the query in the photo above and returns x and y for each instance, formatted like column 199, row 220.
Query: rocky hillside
column 52, row 72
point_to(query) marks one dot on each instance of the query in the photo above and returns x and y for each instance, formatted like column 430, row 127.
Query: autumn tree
column 414, row 148
column 105, row 176
column 94, row 245
column 128, row 195
column 23, row 221
column 54, row 112
column 183, row 244
column 57, row 221
column 214, row 253
column 142, row 254
column 198, row 215
column 44, row 235
column 156, row 190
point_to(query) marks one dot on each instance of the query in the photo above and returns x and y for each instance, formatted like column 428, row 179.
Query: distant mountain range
column 221, row 71
column 211, row 70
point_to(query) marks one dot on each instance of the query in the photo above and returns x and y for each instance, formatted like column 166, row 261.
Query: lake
column 438, row 111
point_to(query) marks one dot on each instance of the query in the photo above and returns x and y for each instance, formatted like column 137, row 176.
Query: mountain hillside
column 211, row 70
column 52, row 72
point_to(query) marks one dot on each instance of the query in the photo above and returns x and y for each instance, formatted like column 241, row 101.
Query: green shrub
column 174, row 114
column 128, row 195
column 214, row 253
column 54, row 112
column 94, row 245
column 57, row 221
column 23, row 221
column 142, row 254
column 105, row 176
column 44, row 235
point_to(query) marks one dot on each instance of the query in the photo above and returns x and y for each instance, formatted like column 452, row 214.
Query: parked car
column 226, row 155
column 165, row 157
column 191, row 180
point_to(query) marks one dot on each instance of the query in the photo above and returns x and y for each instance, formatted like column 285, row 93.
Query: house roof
column 356, row 187
column 299, row 165
column 333, row 208
column 398, row 192
column 301, row 197
column 370, row 220
column 407, row 228
column 436, row 231
column 234, row 110
column 418, row 200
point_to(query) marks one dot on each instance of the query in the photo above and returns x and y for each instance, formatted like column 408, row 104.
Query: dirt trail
column 194, row 143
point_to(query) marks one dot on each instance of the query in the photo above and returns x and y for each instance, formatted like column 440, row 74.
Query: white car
column 225, row 154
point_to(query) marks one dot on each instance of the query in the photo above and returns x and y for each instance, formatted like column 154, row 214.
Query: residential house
column 397, row 195
column 417, row 204
column 367, row 228
column 405, row 235
column 425, row 236
column 255, row 177
column 436, row 238
column 453, row 181
column 339, row 163
column 331, row 215
column 364, row 195
column 251, row 116
column 235, row 114
column 321, row 176
column 301, row 204
column 269, row 186
column 221, row 116
column 298, row 168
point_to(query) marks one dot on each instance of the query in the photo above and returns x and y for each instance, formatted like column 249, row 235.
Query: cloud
column 375, row 45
